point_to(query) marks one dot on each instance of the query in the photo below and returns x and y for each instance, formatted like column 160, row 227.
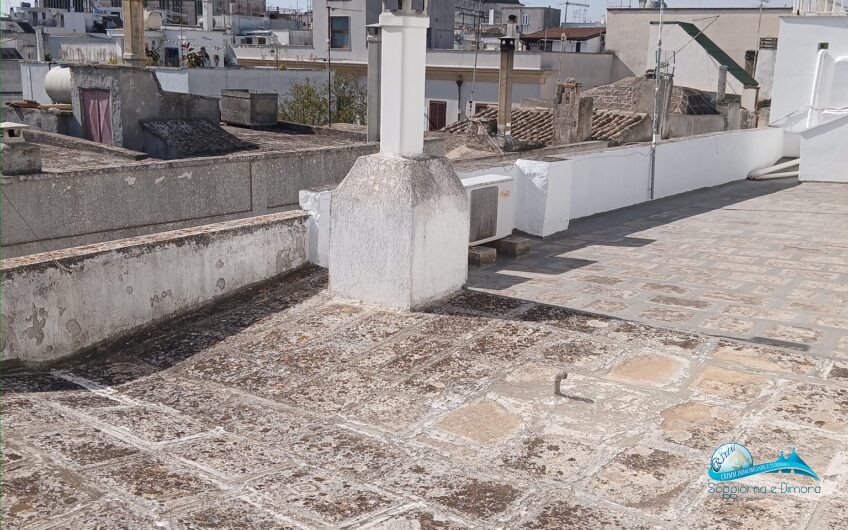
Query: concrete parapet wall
column 56, row 304
column 70, row 142
column 53, row 121
column 551, row 193
column 823, row 154
column 60, row 210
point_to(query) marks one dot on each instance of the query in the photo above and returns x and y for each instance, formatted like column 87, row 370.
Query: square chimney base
column 398, row 232
column 20, row 158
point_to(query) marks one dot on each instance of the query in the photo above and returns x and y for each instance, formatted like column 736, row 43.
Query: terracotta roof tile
column 611, row 125
column 570, row 34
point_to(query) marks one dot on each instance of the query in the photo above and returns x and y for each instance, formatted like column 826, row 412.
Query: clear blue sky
column 596, row 10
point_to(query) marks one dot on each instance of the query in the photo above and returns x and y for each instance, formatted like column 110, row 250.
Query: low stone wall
column 70, row 142
column 60, row 210
column 57, row 304
column 52, row 121
column 56, row 210
column 552, row 192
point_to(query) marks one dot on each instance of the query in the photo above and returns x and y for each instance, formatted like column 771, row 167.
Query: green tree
column 304, row 104
column 307, row 102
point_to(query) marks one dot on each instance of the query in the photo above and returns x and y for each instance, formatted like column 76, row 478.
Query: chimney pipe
column 505, row 76
column 133, row 14
column 373, row 110
column 402, row 79
column 721, row 91
column 39, row 43
column 207, row 15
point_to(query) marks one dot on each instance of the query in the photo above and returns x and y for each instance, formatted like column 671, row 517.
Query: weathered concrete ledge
column 58, row 303
column 72, row 142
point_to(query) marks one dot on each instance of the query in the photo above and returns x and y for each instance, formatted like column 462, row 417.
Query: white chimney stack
column 404, row 64
column 207, row 15
column 399, row 221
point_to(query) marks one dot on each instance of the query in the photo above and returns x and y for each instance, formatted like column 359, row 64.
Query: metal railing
column 820, row 7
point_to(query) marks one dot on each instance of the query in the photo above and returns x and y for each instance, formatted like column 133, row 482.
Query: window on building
column 525, row 20
column 340, row 32
column 480, row 107
column 172, row 57
column 437, row 116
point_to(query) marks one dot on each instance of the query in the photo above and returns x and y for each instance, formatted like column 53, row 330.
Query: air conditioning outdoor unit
column 492, row 200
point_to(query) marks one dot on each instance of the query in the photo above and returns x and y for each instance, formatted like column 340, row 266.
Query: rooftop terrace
column 280, row 408
column 73, row 154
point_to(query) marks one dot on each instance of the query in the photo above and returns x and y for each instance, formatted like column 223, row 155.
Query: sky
column 595, row 12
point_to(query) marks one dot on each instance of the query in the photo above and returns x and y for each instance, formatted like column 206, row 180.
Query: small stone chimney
column 572, row 114
column 18, row 156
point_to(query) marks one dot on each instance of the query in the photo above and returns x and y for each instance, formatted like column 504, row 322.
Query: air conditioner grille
column 484, row 213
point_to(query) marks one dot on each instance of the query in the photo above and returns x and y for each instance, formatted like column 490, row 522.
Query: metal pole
column 474, row 70
column 656, row 118
column 329, row 71
column 373, row 110
column 562, row 40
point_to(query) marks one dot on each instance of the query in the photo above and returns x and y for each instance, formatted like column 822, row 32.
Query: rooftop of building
column 571, row 33
column 682, row 324
column 62, row 153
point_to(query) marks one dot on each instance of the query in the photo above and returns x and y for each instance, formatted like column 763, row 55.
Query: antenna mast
column 656, row 136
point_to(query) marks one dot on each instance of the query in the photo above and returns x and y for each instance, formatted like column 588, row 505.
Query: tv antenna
column 566, row 4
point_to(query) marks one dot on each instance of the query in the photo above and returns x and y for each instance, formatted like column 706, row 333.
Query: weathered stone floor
column 763, row 261
column 282, row 409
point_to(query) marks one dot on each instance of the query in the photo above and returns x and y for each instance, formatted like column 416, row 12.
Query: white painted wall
column 210, row 82
column 797, row 49
column 317, row 203
column 33, row 76
column 824, row 156
column 550, row 194
column 103, row 291
column 402, row 80
column 592, row 45
column 712, row 159
column 764, row 72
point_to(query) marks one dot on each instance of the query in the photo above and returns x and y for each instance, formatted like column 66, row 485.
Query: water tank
column 152, row 20
column 57, row 84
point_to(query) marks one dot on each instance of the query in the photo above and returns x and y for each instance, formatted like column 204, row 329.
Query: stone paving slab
column 282, row 409
column 765, row 262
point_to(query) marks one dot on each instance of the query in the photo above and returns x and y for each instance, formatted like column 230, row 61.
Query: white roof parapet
column 404, row 7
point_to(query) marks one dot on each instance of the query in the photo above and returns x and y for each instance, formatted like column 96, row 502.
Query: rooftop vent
column 18, row 156
column 248, row 109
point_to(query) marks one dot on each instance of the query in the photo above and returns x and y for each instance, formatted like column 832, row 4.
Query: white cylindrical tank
column 152, row 20
column 57, row 84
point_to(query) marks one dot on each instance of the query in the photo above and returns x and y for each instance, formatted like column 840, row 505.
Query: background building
column 737, row 31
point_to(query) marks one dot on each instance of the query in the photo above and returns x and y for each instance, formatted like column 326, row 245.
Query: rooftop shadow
column 162, row 345
column 614, row 229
